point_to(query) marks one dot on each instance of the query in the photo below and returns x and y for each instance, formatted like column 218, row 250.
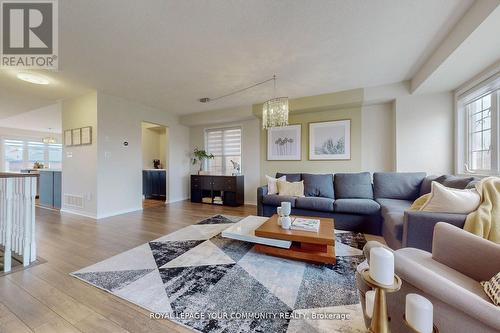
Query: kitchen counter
column 17, row 175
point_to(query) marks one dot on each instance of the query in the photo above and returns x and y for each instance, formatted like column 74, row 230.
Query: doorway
column 154, row 164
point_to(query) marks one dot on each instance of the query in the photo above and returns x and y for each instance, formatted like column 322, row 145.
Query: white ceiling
column 44, row 119
column 168, row 54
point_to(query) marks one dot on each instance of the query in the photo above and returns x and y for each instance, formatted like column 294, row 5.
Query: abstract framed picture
column 330, row 140
column 284, row 143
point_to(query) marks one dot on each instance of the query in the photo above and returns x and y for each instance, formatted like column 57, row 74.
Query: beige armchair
column 449, row 278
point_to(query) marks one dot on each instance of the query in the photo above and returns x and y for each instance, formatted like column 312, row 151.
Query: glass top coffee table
column 271, row 239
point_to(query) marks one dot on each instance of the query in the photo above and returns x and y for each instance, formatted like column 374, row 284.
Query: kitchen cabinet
column 154, row 184
column 50, row 188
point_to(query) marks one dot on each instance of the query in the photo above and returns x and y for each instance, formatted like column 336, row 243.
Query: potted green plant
column 200, row 156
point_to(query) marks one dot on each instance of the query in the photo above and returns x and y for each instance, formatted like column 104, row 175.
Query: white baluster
column 32, row 219
column 27, row 221
column 8, row 225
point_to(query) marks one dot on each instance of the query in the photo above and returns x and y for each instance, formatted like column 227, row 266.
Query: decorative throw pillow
column 443, row 199
column 417, row 204
column 295, row 189
column 272, row 186
column 492, row 288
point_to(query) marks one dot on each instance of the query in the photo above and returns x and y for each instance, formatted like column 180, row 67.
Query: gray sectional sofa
column 377, row 207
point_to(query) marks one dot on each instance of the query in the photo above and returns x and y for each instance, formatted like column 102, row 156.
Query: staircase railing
column 17, row 217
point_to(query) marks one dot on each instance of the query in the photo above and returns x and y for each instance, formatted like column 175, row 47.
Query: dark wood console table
column 204, row 188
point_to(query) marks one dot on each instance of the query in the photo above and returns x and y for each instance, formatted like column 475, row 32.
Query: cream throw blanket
column 485, row 221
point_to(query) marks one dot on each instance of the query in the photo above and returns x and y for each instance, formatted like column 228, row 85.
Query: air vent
column 73, row 200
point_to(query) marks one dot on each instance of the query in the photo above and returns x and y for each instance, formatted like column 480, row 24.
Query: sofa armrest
column 418, row 227
column 436, row 281
column 466, row 253
column 261, row 192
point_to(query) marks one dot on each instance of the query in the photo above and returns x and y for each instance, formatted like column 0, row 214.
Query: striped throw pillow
column 492, row 288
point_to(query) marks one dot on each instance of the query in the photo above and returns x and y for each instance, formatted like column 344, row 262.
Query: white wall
column 250, row 151
column 80, row 163
column 120, row 176
column 424, row 133
column 377, row 137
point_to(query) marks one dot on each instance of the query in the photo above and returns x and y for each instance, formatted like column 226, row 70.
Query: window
column 14, row 150
column 55, row 156
column 225, row 144
column 479, row 129
column 19, row 154
column 36, row 152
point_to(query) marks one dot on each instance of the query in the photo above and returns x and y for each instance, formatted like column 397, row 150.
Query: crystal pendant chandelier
column 49, row 140
column 275, row 111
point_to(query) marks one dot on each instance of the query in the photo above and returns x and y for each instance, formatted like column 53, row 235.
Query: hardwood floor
column 44, row 298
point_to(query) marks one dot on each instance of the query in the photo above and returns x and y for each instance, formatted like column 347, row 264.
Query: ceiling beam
column 477, row 14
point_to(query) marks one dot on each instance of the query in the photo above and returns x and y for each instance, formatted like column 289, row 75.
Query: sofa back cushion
column 318, row 185
column 425, row 187
column 290, row 177
column 457, row 182
column 353, row 185
column 398, row 185
column 448, row 181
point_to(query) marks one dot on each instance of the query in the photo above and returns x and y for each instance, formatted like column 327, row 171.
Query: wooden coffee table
column 309, row 246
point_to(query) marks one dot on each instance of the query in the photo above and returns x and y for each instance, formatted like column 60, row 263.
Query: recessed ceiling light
column 32, row 78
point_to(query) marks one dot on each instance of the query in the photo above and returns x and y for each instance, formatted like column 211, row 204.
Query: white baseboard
column 177, row 200
column 101, row 216
column 119, row 212
column 79, row 213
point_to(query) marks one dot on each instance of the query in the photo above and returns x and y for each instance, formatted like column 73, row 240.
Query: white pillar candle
column 382, row 266
column 418, row 312
column 369, row 302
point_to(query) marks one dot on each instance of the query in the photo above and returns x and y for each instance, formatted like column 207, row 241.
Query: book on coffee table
column 304, row 224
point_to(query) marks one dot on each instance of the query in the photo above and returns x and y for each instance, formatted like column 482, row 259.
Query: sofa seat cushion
column 276, row 200
column 397, row 185
column 356, row 206
column 315, row 203
column 394, row 205
column 318, row 185
column 393, row 213
column 353, row 185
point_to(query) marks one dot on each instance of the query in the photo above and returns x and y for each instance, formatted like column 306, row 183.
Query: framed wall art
column 284, row 143
column 76, row 136
column 330, row 140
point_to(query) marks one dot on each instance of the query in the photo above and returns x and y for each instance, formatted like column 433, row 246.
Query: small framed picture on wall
column 77, row 136
column 284, row 143
column 330, row 140
column 68, row 140
column 86, row 135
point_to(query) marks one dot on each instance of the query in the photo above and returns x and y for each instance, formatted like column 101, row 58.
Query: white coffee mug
column 280, row 211
column 286, row 208
column 286, row 222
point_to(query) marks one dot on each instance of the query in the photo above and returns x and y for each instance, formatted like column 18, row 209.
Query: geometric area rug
column 212, row 284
